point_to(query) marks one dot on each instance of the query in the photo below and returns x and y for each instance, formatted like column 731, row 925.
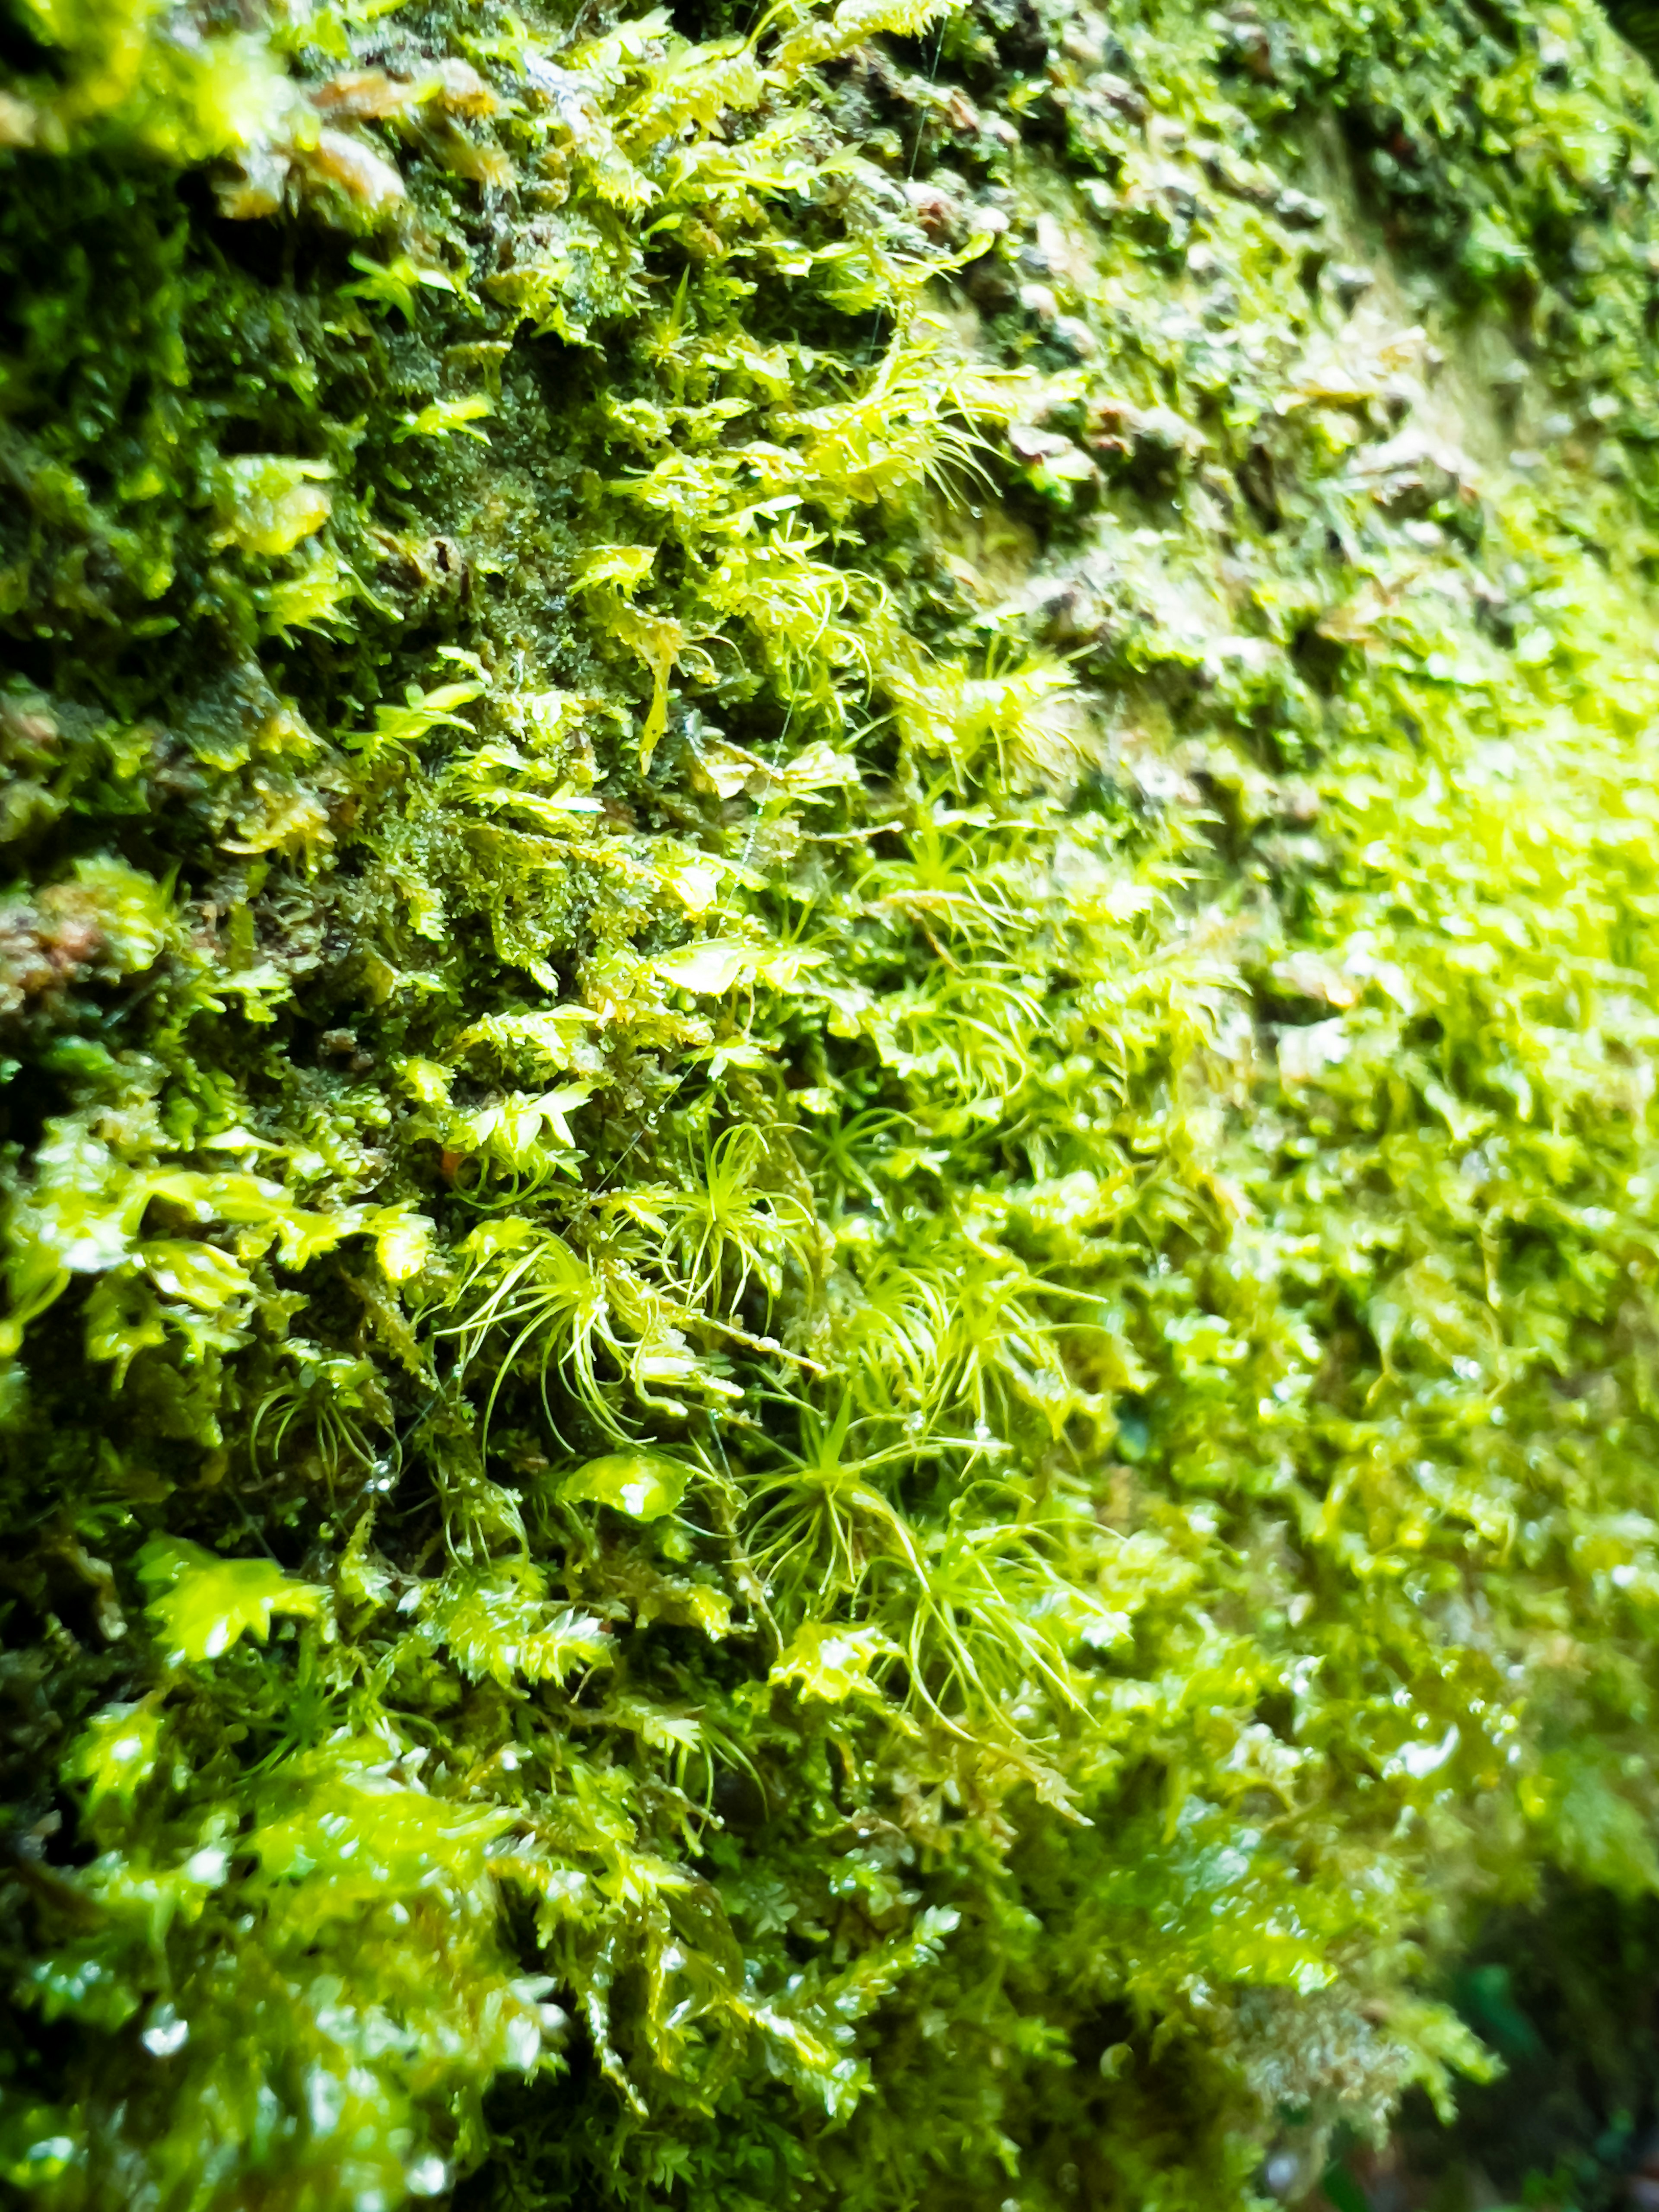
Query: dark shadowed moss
column 828, row 981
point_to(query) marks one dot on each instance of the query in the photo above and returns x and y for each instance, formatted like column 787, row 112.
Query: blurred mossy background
column 828, row 981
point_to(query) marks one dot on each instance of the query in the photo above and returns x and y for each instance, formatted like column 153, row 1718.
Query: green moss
column 829, row 982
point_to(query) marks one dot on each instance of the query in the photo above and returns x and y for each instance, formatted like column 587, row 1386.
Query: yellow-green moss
column 830, row 1177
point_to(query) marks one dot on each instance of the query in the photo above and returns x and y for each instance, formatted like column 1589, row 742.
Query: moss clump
column 830, row 1174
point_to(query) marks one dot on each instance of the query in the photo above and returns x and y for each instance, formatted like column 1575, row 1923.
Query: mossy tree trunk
column 831, row 1185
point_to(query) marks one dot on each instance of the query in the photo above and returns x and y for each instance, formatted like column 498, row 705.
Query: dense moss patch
column 829, row 982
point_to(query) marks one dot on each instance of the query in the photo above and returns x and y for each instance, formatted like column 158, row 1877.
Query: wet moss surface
column 828, row 982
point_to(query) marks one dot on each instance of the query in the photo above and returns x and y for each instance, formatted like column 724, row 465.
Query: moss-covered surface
column 831, row 1180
